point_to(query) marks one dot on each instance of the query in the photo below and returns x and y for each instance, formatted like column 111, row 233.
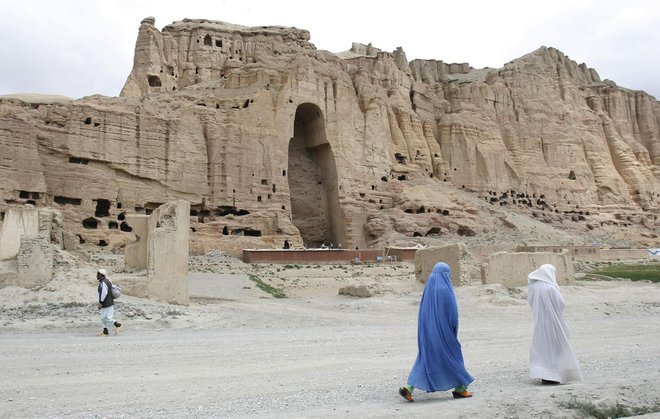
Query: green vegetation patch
column 275, row 292
column 648, row 272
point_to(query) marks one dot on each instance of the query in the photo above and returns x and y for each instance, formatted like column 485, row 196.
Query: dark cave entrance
column 312, row 176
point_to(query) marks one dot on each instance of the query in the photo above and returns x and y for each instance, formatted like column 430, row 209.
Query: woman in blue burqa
column 439, row 365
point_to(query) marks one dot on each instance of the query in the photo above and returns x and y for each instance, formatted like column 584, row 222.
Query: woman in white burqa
column 551, row 356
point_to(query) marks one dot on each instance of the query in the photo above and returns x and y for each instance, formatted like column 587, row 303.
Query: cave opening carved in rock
column 312, row 176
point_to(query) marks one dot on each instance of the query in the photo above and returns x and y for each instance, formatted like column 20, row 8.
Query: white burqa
column 551, row 356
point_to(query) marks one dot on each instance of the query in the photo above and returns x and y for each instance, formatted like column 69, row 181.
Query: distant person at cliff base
column 106, row 303
column 439, row 364
column 551, row 356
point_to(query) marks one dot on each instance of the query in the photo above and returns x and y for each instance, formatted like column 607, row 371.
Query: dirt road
column 330, row 356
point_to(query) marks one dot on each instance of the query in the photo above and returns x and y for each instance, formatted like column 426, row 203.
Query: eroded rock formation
column 269, row 138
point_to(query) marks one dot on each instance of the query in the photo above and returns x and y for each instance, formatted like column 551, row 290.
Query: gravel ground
column 238, row 352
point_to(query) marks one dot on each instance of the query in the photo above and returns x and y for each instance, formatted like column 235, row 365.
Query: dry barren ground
column 238, row 352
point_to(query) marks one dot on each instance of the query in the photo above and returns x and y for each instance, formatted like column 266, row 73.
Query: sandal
column 406, row 394
column 462, row 395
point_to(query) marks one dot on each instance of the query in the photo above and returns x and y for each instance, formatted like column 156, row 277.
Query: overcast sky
column 83, row 47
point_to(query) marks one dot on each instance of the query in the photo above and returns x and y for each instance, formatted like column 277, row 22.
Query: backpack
column 116, row 291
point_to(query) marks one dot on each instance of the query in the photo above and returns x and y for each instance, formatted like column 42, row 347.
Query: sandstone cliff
column 269, row 138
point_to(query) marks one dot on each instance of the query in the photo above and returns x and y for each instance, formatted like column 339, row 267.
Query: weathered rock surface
column 269, row 138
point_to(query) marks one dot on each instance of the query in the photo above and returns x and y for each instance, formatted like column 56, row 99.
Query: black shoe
column 405, row 393
column 117, row 324
column 104, row 332
column 550, row 382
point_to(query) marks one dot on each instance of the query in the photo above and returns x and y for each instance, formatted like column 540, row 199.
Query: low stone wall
column 511, row 269
column 310, row 256
column 8, row 273
column 616, row 254
column 33, row 265
column 575, row 251
column 35, row 261
column 454, row 255
column 592, row 253
column 400, row 254
column 134, row 284
column 26, row 235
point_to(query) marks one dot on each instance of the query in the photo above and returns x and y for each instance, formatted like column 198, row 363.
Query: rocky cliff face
column 269, row 138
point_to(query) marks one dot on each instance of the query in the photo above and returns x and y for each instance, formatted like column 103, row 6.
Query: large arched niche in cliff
column 313, row 185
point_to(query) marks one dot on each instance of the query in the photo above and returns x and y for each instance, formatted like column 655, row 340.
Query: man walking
column 106, row 303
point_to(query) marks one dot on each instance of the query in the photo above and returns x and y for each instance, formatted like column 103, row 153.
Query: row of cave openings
column 401, row 159
column 87, row 121
column 208, row 41
column 437, row 231
column 102, row 210
column 525, row 200
column 201, row 214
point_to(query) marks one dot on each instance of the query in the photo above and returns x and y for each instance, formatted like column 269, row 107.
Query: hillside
column 270, row 139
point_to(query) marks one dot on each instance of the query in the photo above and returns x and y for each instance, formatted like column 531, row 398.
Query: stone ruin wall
column 167, row 252
column 29, row 239
column 17, row 223
column 454, row 255
column 250, row 125
column 511, row 269
column 160, row 254
column 35, row 261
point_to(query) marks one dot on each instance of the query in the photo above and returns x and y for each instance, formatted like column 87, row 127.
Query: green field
column 648, row 272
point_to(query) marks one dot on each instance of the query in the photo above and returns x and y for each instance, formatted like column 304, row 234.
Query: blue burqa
column 439, row 365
